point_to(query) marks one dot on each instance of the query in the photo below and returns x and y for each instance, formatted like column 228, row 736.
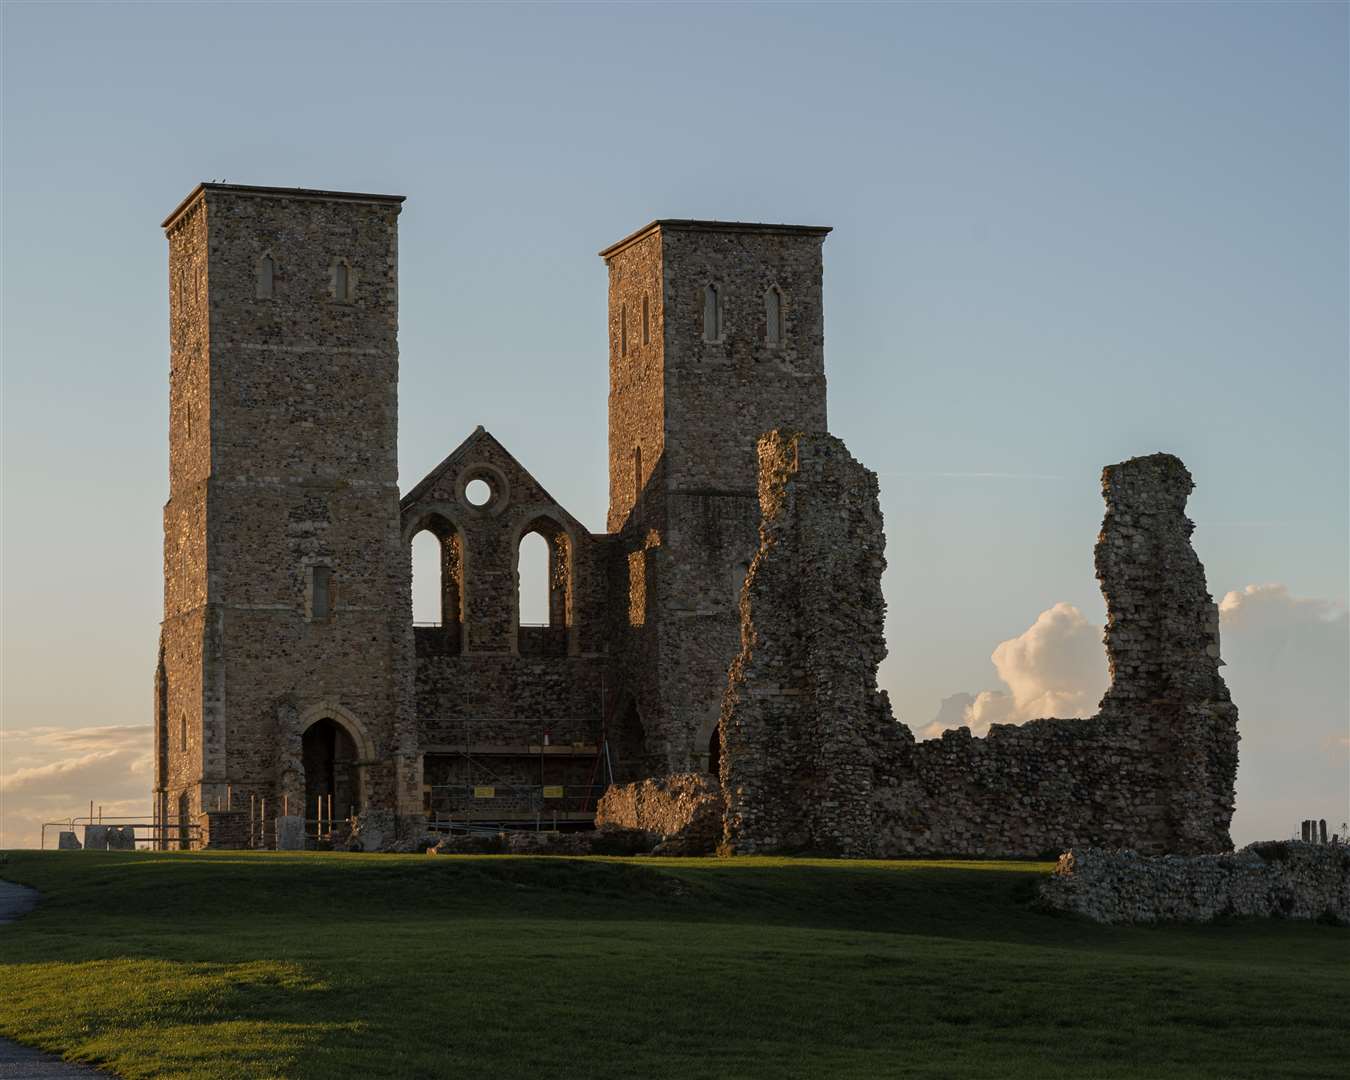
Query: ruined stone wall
column 502, row 683
column 1280, row 879
column 813, row 759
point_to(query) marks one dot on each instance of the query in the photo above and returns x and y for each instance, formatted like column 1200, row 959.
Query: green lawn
column 281, row 965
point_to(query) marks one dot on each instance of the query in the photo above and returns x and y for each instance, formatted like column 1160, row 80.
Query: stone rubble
column 683, row 812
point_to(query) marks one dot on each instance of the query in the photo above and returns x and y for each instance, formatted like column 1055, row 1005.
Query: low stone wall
column 684, row 811
column 1289, row 880
column 223, row 829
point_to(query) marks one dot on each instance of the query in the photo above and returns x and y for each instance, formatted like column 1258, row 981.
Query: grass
column 285, row 965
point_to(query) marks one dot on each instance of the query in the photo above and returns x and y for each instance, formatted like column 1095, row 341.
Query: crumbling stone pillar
column 803, row 718
column 1162, row 645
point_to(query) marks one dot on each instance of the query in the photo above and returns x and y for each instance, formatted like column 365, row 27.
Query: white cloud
column 52, row 773
column 1289, row 670
column 1288, row 667
column 1056, row 667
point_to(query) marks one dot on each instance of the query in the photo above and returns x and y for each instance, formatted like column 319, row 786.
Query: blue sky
column 1064, row 235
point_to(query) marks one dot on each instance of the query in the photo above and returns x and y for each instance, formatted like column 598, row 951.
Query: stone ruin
column 1280, row 879
column 814, row 760
column 287, row 580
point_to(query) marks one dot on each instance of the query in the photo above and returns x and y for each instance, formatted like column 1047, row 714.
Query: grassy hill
column 279, row 965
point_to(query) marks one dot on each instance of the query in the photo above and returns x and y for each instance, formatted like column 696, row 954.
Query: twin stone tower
column 291, row 675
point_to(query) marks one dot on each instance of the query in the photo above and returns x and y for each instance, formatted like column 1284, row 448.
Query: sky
column 1064, row 235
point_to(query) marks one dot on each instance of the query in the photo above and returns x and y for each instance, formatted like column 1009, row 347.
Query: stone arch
column 334, row 751
column 555, row 638
column 331, row 710
column 448, row 636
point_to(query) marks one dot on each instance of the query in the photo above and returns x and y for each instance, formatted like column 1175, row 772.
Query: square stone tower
column 285, row 651
column 716, row 335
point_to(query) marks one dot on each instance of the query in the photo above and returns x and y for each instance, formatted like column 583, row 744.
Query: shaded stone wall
column 813, row 759
column 688, row 405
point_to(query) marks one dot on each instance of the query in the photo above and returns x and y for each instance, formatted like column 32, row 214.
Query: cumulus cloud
column 52, row 773
column 1287, row 669
column 1056, row 667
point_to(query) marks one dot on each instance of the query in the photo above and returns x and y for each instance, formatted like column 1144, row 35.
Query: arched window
column 535, row 566
column 646, row 322
column 712, row 314
column 543, row 592
column 437, row 588
column 264, row 278
column 426, row 580
column 773, row 316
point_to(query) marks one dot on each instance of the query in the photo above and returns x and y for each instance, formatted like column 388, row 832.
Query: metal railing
column 152, row 833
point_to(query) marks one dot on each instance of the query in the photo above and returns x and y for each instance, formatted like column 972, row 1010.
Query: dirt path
column 22, row 1062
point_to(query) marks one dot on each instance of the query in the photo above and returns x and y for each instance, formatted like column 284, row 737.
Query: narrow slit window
column 623, row 330
column 321, row 592
column 712, row 314
column 341, row 283
column 182, row 732
column 637, row 473
column 773, row 316
column 646, row 323
column 265, row 269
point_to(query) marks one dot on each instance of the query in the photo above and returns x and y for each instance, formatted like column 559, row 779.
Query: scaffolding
column 493, row 790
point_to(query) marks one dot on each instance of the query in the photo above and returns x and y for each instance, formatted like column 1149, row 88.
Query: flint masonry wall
column 283, row 459
column 813, row 759
column 689, row 395
column 488, row 679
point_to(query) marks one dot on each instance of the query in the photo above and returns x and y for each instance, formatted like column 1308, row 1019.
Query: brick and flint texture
column 286, row 579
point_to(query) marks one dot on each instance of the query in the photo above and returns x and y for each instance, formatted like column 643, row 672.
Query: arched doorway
column 329, row 756
column 715, row 751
